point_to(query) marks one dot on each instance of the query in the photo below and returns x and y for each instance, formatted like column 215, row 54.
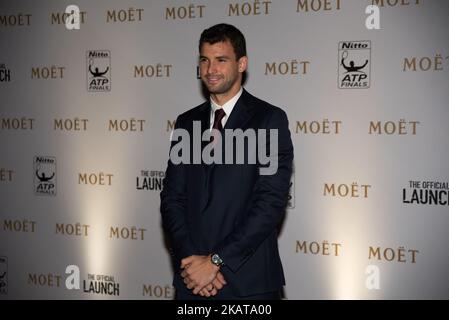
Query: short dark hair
column 223, row 32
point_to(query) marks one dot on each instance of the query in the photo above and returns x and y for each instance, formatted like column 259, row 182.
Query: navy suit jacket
column 231, row 209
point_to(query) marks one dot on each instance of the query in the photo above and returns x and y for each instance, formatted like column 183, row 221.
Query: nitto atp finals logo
column 45, row 175
column 354, row 64
column 98, row 70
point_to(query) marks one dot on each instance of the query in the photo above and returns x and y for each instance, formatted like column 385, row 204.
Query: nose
column 211, row 67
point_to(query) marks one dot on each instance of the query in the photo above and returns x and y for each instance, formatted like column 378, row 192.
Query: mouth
column 213, row 80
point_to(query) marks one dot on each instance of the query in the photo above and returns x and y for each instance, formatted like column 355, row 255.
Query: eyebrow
column 219, row 57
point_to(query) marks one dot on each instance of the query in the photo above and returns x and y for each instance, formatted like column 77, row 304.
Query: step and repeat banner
column 87, row 107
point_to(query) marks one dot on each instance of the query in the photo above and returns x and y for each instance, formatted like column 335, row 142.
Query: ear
column 243, row 64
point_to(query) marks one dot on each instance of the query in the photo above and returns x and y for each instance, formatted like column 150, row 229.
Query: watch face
column 216, row 259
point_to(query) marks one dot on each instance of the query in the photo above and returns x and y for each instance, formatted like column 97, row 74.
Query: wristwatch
column 215, row 259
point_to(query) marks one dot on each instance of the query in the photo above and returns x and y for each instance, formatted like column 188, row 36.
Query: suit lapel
column 204, row 117
column 242, row 112
column 240, row 115
column 205, row 121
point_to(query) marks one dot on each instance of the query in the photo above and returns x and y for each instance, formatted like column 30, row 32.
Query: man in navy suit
column 222, row 218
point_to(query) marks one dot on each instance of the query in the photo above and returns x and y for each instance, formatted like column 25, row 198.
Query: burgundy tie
column 219, row 114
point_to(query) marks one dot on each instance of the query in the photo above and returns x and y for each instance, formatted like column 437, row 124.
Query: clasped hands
column 201, row 275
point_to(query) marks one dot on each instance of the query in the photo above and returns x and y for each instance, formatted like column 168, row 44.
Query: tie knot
column 219, row 114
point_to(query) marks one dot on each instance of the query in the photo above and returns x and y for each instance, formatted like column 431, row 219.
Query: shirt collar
column 228, row 106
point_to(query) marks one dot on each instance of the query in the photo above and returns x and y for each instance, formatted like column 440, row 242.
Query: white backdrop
column 369, row 154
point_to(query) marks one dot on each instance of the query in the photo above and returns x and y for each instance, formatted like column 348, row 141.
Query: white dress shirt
column 227, row 107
